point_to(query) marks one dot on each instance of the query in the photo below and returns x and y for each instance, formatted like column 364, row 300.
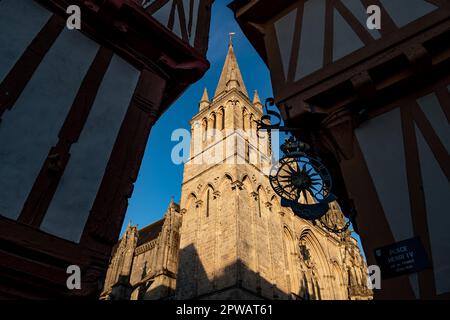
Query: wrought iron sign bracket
column 265, row 123
column 302, row 181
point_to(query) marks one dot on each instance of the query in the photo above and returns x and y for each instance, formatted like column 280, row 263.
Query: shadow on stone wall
column 235, row 281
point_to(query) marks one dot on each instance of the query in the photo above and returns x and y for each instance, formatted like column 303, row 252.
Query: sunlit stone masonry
column 229, row 238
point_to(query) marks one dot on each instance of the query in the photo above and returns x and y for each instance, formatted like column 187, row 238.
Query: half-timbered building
column 76, row 109
column 375, row 104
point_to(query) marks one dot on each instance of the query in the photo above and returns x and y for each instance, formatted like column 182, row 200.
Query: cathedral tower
column 237, row 242
column 229, row 238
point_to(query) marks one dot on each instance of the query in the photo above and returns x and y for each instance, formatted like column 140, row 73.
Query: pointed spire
column 130, row 229
column 231, row 76
column 172, row 204
column 204, row 101
column 130, row 226
column 256, row 100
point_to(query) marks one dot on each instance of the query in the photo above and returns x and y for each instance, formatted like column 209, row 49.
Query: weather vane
column 231, row 34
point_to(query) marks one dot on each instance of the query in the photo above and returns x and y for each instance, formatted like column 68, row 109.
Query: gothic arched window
column 222, row 112
column 208, row 200
column 205, row 129
column 214, row 121
column 259, row 205
column 244, row 115
column 247, row 151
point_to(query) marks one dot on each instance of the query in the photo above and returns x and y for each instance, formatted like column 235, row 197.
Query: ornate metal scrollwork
column 335, row 229
column 266, row 122
column 302, row 181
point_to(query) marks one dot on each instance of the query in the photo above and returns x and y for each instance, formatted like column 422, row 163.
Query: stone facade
column 144, row 263
column 235, row 240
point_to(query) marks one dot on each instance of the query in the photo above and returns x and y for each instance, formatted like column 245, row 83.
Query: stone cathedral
column 229, row 238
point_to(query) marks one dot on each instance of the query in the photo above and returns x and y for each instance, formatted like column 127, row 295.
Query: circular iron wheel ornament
column 304, row 184
column 293, row 177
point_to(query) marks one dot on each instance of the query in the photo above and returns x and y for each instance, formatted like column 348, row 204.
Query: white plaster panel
column 70, row 207
column 30, row 128
column 312, row 38
column 404, row 12
column 437, row 191
column 381, row 142
column 194, row 21
column 284, row 28
column 345, row 40
column 20, row 22
column 360, row 12
column 162, row 15
column 414, row 281
column 431, row 107
column 176, row 24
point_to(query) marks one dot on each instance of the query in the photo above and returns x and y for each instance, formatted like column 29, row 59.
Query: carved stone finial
column 199, row 203
column 236, row 184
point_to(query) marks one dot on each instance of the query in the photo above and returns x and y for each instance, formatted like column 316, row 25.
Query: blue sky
column 159, row 178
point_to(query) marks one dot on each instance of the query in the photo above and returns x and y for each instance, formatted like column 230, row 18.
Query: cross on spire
column 231, row 76
column 231, row 34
